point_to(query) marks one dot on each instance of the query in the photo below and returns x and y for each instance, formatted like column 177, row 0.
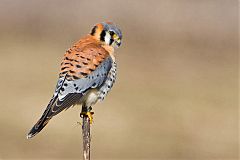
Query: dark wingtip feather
column 34, row 131
column 30, row 135
column 38, row 126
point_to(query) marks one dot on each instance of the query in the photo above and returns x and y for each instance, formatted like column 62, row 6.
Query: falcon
column 87, row 74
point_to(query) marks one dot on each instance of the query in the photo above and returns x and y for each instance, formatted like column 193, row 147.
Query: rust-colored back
column 82, row 58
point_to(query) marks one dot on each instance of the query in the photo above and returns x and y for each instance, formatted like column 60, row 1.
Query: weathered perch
column 86, row 132
column 86, row 137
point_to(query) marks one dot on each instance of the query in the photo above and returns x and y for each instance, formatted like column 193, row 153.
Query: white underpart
column 107, row 38
column 95, row 95
column 91, row 98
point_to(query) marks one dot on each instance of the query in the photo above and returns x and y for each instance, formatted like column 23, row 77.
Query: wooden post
column 86, row 137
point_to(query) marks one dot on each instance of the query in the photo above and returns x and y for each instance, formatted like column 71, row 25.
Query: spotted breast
column 110, row 80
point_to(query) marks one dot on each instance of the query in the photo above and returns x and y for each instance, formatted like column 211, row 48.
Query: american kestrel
column 88, row 72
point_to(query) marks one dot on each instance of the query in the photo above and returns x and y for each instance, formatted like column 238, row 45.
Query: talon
column 88, row 114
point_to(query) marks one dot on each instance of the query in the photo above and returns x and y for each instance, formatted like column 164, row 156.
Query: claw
column 89, row 115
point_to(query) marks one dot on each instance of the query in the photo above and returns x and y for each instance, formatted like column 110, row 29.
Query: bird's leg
column 86, row 111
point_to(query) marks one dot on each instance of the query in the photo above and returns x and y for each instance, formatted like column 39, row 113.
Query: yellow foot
column 88, row 114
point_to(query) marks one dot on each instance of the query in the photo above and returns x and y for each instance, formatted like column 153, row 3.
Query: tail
column 54, row 107
column 49, row 112
column 41, row 123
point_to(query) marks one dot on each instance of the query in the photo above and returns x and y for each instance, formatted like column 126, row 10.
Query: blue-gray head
column 108, row 33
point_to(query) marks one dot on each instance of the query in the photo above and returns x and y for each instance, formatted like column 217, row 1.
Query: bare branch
column 86, row 137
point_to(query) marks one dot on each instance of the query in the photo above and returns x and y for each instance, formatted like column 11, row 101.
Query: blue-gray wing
column 69, row 93
column 67, row 89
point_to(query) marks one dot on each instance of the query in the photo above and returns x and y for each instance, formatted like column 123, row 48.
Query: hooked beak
column 118, row 42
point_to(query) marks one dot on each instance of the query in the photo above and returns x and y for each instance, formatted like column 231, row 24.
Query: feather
column 86, row 65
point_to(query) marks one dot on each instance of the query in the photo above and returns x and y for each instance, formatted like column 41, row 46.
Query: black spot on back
column 78, row 66
column 75, row 77
column 68, row 51
column 64, row 72
column 82, row 73
column 64, row 68
column 72, row 71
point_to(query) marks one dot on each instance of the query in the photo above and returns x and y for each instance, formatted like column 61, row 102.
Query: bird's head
column 107, row 33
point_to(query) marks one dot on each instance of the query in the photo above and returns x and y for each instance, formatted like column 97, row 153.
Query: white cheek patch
column 107, row 38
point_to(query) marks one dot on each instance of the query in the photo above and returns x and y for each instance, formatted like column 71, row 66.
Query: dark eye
column 111, row 33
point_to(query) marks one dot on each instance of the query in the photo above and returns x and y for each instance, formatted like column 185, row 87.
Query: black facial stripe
column 111, row 41
column 112, row 33
column 102, row 35
column 93, row 30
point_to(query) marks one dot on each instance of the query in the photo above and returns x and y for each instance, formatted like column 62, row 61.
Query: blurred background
column 176, row 95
